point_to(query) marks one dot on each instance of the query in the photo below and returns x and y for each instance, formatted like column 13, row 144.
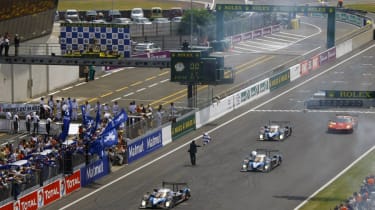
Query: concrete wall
column 42, row 79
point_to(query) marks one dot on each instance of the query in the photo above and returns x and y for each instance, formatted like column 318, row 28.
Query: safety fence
column 160, row 136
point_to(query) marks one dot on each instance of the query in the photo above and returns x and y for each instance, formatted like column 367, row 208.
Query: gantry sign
column 331, row 11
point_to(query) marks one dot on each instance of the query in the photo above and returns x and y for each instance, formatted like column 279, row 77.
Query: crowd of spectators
column 364, row 199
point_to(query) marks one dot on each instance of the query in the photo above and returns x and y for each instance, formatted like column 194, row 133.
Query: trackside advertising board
column 7, row 206
column 71, row 183
column 94, row 171
column 252, row 92
column 295, row 72
column 279, row 80
column 183, row 126
column 144, row 146
column 49, row 193
column 27, row 202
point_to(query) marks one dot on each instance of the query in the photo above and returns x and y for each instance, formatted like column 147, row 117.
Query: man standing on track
column 193, row 150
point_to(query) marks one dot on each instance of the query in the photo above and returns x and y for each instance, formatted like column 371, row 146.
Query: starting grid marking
column 314, row 110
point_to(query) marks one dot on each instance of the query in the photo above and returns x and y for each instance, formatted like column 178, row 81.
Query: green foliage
column 364, row 7
column 201, row 18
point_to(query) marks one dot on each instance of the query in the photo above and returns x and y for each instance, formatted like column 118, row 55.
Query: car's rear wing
column 278, row 122
column 267, row 151
column 176, row 186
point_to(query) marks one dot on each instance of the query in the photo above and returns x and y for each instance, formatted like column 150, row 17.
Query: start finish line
column 331, row 11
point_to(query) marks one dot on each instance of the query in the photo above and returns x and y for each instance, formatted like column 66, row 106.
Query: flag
column 110, row 138
column 66, row 124
column 83, row 110
column 96, row 147
column 116, row 122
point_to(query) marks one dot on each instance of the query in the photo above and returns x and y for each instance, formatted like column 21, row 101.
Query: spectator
column 74, row 109
column 6, row 44
column 1, row 45
column 340, row 3
column 51, row 105
column 15, row 123
column 159, row 118
column 42, row 112
column 106, row 109
column 115, row 108
column 87, row 108
column 48, row 125
column 58, row 110
column 28, row 123
column 16, row 44
column 36, row 120
column 86, row 73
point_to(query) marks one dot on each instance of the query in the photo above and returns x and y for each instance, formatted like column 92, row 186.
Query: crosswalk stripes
column 269, row 43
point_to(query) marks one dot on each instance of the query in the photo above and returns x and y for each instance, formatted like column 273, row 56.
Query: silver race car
column 275, row 130
column 263, row 160
column 166, row 197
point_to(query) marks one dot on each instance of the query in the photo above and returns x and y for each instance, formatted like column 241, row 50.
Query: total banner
column 144, row 145
column 94, row 171
column 50, row 193
column 27, row 202
column 70, row 183
column 7, row 206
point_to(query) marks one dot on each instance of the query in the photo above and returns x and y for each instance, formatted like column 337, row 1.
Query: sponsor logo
column 93, row 171
column 135, row 150
column 29, row 204
column 152, row 141
column 51, row 193
column 73, row 182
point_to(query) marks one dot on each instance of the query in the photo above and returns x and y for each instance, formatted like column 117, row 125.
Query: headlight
column 261, row 136
column 143, row 203
column 244, row 166
column 167, row 204
column 281, row 136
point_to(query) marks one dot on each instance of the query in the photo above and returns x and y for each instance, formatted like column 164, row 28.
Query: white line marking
column 281, row 32
column 129, row 94
column 139, row 90
column 308, row 52
column 105, row 75
column 68, row 88
column 153, row 85
column 116, row 99
column 54, row 92
column 287, row 37
column 274, row 38
column 212, row 130
column 334, row 178
column 166, row 80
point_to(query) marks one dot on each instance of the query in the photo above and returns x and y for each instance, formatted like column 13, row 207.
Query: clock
column 179, row 66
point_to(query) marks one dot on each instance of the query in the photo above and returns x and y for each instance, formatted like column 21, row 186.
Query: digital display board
column 185, row 66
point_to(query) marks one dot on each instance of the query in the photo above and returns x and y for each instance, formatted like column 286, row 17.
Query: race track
column 311, row 156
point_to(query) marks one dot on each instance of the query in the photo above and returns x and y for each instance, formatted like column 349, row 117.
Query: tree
column 201, row 20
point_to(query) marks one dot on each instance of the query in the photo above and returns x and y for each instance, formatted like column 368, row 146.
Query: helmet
column 205, row 134
column 254, row 153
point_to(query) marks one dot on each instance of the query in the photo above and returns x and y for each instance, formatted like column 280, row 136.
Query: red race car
column 343, row 123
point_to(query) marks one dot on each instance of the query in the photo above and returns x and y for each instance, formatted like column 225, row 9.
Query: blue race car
column 275, row 130
column 262, row 160
column 166, row 197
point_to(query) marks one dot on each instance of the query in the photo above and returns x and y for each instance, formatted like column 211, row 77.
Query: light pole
column 191, row 22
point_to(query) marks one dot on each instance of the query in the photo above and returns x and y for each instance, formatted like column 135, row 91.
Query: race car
column 275, row 130
column 343, row 123
column 166, row 197
column 262, row 160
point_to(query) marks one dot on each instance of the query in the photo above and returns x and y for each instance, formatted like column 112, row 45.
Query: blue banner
column 94, row 171
column 144, row 146
column 117, row 120
column 66, row 123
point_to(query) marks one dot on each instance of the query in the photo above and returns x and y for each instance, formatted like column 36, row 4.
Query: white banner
column 295, row 72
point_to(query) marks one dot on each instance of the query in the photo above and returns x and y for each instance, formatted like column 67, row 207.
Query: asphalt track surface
column 312, row 157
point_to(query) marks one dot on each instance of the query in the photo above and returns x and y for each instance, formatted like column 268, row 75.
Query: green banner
column 349, row 94
column 183, row 126
column 279, row 80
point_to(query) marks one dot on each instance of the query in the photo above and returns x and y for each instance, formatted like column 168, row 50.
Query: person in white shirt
column 36, row 120
column 88, row 107
column 28, row 123
column 115, row 108
column 206, row 139
column 74, row 109
column 15, row 123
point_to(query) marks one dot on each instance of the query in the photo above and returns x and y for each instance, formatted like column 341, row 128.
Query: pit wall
column 158, row 138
